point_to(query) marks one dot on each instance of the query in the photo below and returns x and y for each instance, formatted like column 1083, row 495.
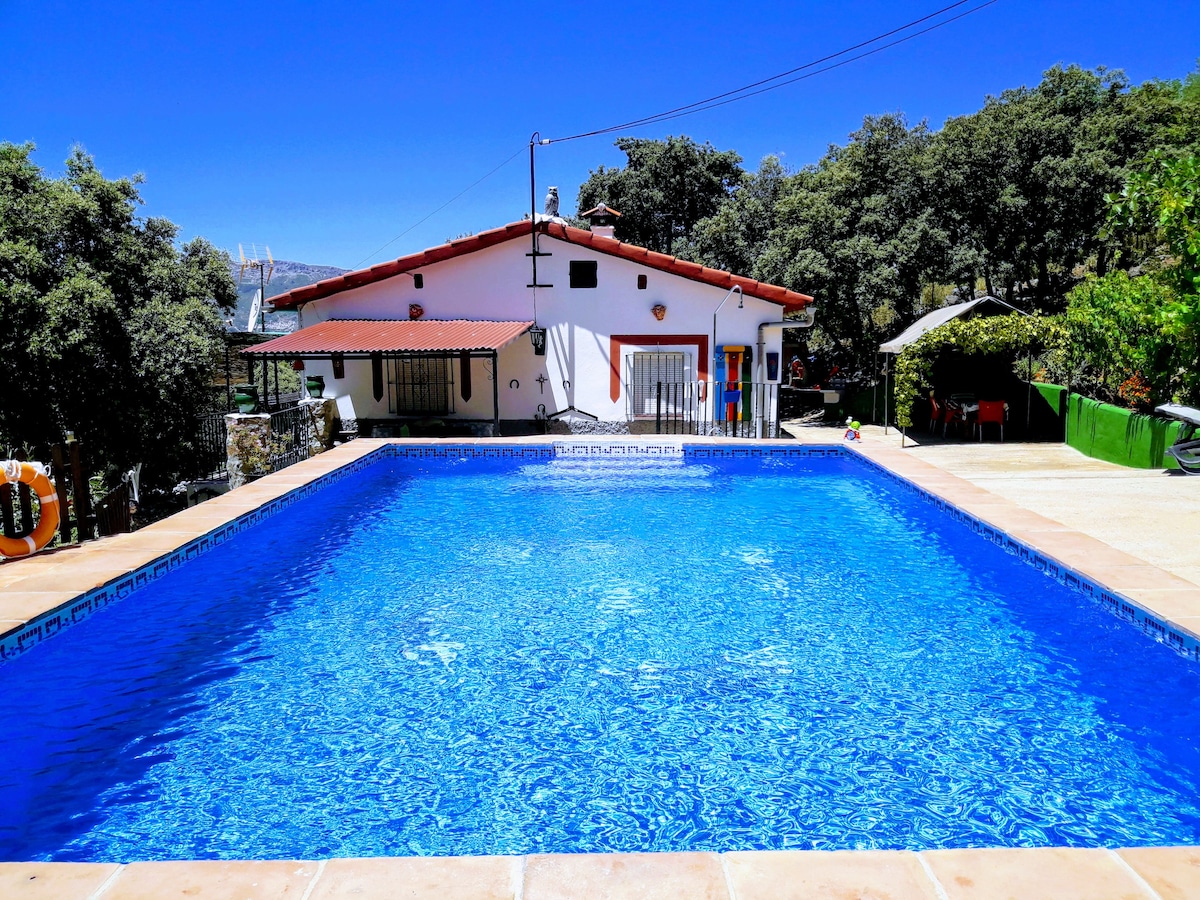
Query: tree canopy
column 1009, row 199
column 108, row 328
column 664, row 189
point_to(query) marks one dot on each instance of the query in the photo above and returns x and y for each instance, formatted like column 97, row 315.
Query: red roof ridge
column 789, row 299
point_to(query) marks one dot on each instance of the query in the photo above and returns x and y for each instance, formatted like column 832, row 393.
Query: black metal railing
column 742, row 409
column 291, row 429
column 211, row 437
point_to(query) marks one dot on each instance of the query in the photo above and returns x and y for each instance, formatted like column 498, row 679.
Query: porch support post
column 496, row 393
column 886, row 375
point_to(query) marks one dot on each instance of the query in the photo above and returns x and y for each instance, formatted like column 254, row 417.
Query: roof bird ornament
column 551, row 208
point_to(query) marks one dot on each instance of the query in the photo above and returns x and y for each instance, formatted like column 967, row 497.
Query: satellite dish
column 265, row 270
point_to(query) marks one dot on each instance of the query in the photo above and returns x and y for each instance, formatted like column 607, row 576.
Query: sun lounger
column 1186, row 449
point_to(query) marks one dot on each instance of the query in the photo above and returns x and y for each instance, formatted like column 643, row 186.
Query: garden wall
column 1118, row 435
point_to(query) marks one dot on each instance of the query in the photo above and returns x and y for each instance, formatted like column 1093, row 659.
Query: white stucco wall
column 491, row 284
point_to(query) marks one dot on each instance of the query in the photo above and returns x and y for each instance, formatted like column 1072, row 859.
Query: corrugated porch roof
column 392, row 336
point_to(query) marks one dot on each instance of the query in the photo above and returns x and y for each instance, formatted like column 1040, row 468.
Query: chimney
column 602, row 220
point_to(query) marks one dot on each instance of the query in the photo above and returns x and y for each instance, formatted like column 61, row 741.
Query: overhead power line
column 764, row 85
column 473, row 184
column 744, row 92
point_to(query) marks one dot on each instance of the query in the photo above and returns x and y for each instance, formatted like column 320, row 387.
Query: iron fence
column 291, row 429
column 211, row 436
column 741, row 409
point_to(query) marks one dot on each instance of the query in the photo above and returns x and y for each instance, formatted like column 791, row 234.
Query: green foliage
column 1163, row 199
column 1121, row 337
column 107, row 328
column 858, row 232
column 1022, row 181
column 1151, row 325
column 1010, row 199
column 665, row 188
column 736, row 235
column 1005, row 335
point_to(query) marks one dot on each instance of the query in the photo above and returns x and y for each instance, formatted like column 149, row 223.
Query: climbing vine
column 984, row 335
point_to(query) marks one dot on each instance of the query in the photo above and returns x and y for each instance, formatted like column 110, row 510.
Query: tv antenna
column 265, row 269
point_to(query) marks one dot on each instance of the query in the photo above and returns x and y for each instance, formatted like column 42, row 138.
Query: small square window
column 583, row 273
column 641, row 282
column 418, row 281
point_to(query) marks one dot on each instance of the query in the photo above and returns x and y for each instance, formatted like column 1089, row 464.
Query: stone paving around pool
column 32, row 588
column 1054, row 874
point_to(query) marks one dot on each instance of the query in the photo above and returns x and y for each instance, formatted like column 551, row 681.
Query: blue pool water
column 471, row 657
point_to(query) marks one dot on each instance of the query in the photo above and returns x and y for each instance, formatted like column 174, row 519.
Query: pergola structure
column 399, row 342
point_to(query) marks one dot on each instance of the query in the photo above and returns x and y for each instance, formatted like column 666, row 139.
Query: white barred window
column 646, row 371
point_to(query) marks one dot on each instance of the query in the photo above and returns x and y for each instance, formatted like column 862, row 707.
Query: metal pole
column 875, row 396
column 533, row 243
column 496, row 393
column 1029, row 392
column 886, row 373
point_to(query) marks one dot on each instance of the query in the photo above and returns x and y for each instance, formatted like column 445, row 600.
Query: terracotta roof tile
column 790, row 300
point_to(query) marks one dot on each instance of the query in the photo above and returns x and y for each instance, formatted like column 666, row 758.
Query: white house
column 541, row 320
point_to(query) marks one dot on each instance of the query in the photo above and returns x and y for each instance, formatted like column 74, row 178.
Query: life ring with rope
column 34, row 475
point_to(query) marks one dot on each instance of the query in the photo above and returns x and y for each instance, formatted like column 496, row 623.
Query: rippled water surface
column 593, row 655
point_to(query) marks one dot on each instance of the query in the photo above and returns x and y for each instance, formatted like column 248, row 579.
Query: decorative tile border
column 29, row 635
column 725, row 451
column 18, row 641
column 1159, row 629
column 471, row 451
column 598, row 448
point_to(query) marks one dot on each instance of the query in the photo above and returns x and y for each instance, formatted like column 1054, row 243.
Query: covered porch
column 403, row 372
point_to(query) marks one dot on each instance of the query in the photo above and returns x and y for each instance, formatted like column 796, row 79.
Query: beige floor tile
column 84, row 577
column 1011, row 518
column 53, row 881
column 1134, row 577
column 625, row 876
column 1173, row 872
column 833, row 875
column 26, row 605
column 1175, row 604
column 1045, row 873
column 1075, row 549
column 421, row 878
column 212, row 880
column 187, row 523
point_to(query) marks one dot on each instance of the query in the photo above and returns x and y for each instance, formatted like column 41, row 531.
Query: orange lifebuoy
column 47, row 524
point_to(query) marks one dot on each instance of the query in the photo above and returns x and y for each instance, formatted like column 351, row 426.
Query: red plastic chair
column 990, row 411
column 936, row 414
column 956, row 416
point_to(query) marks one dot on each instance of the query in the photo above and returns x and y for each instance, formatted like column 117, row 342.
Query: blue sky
column 326, row 130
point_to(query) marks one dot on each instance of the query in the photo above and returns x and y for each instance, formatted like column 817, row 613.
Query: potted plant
column 315, row 385
column 245, row 397
column 253, row 454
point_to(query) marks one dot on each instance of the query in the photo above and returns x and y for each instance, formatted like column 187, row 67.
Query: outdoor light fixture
column 537, row 336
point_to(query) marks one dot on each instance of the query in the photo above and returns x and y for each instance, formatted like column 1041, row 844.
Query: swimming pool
column 457, row 656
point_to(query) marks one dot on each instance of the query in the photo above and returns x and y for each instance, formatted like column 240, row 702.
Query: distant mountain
column 286, row 276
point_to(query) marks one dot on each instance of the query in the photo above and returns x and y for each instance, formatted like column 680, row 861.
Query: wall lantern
column 537, row 336
column 415, row 310
column 660, row 311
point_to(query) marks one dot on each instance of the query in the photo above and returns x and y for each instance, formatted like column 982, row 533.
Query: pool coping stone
column 1043, row 873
